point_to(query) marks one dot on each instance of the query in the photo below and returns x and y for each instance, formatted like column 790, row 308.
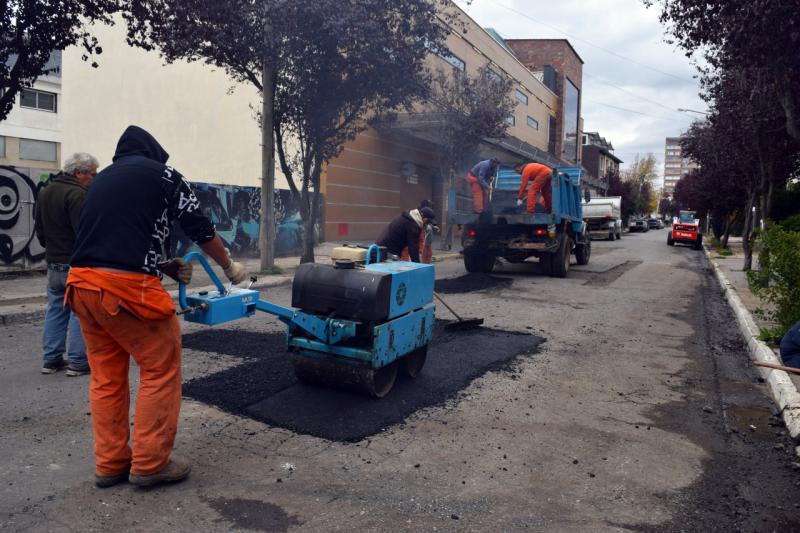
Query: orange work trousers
column 113, row 335
column 546, row 201
column 425, row 252
column 480, row 196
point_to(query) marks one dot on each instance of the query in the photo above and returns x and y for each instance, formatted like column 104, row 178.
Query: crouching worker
column 405, row 230
column 115, row 289
column 540, row 194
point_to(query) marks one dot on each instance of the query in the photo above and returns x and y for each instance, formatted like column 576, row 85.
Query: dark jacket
column 402, row 232
column 790, row 346
column 58, row 210
column 127, row 217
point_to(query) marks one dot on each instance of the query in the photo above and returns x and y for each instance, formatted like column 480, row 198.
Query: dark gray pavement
column 640, row 413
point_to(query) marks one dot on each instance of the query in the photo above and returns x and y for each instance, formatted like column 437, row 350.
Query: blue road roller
column 350, row 325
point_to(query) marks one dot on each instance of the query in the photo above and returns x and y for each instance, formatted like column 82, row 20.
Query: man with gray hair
column 58, row 210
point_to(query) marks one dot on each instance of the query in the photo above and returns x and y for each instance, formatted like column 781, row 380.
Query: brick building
column 561, row 69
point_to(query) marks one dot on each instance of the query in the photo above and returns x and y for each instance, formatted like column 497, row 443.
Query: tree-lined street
column 641, row 412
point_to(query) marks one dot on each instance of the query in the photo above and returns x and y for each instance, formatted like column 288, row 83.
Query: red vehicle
column 686, row 230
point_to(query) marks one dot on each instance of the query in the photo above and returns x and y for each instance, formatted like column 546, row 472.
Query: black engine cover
column 355, row 294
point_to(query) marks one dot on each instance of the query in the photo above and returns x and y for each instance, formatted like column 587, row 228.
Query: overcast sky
column 626, row 28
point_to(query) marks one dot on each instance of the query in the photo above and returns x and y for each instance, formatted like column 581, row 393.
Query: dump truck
column 603, row 217
column 509, row 231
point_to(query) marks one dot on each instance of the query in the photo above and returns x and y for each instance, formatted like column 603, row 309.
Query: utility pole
column 266, row 236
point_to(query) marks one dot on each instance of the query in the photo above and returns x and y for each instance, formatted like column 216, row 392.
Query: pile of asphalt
column 471, row 283
column 264, row 387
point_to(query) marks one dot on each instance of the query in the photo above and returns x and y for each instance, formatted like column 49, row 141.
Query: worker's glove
column 519, row 203
column 236, row 272
column 177, row 269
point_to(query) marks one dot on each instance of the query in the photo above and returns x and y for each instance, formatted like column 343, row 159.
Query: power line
column 659, row 104
column 632, row 111
column 606, row 50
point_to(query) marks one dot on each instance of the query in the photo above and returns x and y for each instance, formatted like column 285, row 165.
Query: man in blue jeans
column 58, row 210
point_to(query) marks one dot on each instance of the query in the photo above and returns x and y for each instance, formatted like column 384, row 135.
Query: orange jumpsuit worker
column 479, row 179
column 541, row 176
column 115, row 289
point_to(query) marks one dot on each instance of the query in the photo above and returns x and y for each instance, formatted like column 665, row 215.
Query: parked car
column 638, row 224
column 655, row 223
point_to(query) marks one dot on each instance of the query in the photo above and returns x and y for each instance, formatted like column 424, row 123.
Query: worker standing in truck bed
column 480, row 179
column 541, row 191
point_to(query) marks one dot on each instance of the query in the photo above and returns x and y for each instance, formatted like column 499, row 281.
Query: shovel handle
column 448, row 307
column 777, row 367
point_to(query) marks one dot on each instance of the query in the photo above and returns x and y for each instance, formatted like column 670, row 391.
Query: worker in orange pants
column 114, row 327
column 480, row 178
column 541, row 190
column 114, row 286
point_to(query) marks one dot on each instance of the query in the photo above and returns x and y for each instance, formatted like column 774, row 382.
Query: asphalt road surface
column 640, row 412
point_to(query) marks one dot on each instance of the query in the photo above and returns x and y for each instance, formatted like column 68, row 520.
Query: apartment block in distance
column 30, row 150
column 675, row 164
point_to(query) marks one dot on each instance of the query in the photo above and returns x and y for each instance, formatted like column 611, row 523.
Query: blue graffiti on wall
column 236, row 213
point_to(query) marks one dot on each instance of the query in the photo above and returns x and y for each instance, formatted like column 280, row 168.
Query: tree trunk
column 310, row 222
column 730, row 220
column 748, row 231
column 787, row 99
column 266, row 235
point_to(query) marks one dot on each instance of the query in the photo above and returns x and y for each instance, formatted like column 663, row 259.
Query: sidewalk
column 24, row 297
column 782, row 385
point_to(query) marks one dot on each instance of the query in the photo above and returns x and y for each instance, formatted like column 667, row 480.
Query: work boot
column 53, row 367
column 73, row 371
column 176, row 470
column 104, row 482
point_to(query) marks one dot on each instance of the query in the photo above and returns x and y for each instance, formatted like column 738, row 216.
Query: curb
column 781, row 387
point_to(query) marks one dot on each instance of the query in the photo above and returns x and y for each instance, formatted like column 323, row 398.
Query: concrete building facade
column 598, row 160
column 30, row 150
column 676, row 165
column 207, row 123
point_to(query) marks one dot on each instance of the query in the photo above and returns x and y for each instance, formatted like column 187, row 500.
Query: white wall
column 211, row 135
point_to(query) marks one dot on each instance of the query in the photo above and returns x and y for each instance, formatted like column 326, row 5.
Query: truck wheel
column 479, row 262
column 670, row 242
column 698, row 245
column 583, row 252
column 559, row 261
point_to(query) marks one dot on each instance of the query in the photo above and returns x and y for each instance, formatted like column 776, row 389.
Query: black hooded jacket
column 402, row 232
column 126, row 218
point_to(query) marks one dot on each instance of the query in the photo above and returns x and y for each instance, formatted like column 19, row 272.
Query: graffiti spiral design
column 17, row 196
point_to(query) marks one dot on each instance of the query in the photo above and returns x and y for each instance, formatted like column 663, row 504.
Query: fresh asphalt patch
column 471, row 283
column 264, row 387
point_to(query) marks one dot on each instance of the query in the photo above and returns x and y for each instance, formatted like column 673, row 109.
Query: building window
column 510, row 120
column 533, row 123
column 572, row 103
column 34, row 99
column 494, row 76
column 33, row 150
column 455, row 61
column 521, row 96
column 2, row 146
